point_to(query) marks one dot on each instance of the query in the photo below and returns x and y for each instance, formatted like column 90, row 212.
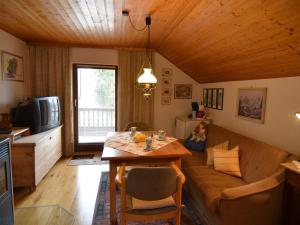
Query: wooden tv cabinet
column 33, row 156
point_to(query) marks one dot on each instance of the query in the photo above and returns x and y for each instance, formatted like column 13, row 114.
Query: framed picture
column 166, row 72
column 183, row 91
column 166, row 92
column 166, row 100
column 166, row 81
column 205, row 97
column 220, row 98
column 12, row 67
column 209, row 98
column 252, row 103
column 214, row 98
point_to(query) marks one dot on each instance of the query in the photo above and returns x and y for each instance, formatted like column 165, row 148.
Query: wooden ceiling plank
column 82, row 13
column 97, row 19
column 22, row 16
column 38, row 15
column 67, row 16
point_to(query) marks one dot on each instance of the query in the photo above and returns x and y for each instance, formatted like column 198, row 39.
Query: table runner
column 124, row 142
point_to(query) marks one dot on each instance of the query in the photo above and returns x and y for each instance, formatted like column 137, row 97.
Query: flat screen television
column 40, row 114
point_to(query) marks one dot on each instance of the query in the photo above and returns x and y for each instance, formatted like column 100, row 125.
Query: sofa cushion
column 210, row 153
column 227, row 161
column 210, row 183
column 258, row 160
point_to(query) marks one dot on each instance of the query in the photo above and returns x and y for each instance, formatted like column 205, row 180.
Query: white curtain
column 132, row 106
column 51, row 76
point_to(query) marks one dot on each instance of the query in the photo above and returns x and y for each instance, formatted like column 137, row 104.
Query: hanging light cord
column 134, row 27
column 148, row 46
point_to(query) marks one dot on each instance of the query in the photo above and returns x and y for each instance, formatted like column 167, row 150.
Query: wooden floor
column 72, row 187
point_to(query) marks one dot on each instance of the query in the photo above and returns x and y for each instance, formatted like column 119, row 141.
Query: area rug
column 101, row 212
column 89, row 159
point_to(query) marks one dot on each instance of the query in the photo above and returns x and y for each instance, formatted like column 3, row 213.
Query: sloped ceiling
column 210, row 40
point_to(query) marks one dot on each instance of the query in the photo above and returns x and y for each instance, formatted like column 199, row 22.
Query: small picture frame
column 165, row 100
column 183, row 91
column 166, row 92
column 166, row 72
column 12, row 67
column 209, row 98
column 166, row 81
column 220, row 98
column 205, row 97
column 214, row 98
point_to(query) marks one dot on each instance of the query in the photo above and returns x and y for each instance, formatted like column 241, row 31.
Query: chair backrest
column 151, row 183
column 139, row 126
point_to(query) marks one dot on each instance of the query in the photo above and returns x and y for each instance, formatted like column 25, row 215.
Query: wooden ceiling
column 210, row 40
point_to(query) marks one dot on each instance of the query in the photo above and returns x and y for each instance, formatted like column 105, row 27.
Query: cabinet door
column 47, row 153
column 180, row 132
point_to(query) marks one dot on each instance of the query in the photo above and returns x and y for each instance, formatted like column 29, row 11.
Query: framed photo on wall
column 214, row 98
column 166, row 100
column 166, row 72
column 252, row 104
column 205, row 97
column 209, row 98
column 166, row 81
column 166, row 91
column 12, row 67
column 220, row 98
column 183, row 91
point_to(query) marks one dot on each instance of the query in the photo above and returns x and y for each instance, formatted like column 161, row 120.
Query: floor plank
column 72, row 187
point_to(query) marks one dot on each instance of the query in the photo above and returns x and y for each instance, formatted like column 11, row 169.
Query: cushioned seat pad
column 211, row 183
column 146, row 211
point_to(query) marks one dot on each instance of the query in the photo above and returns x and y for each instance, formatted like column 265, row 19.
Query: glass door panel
column 95, row 103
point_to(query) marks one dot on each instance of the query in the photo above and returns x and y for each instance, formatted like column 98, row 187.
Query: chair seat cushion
column 153, row 208
column 142, row 204
column 210, row 183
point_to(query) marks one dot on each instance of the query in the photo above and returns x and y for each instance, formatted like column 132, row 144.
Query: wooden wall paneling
column 211, row 41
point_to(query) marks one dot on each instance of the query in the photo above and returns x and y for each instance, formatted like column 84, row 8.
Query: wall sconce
column 297, row 114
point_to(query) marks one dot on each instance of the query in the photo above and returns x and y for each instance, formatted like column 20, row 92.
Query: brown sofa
column 221, row 199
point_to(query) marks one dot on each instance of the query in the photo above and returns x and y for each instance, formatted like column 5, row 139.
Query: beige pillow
column 228, row 161
column 141, row 204
column 210, row 152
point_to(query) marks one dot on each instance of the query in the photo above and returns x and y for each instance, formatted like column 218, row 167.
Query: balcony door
column 94, row 105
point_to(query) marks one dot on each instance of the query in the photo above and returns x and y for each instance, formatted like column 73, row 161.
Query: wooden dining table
column 172, row 152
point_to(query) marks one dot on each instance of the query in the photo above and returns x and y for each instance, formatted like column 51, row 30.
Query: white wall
column 164, row 117
column 12, row 92
column 165, row 114
column 280, row 128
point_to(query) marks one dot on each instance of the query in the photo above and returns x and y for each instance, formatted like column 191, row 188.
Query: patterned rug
column 101, row 212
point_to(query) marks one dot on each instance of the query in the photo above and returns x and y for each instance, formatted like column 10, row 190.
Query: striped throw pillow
column 227, row 161
column 210, row 152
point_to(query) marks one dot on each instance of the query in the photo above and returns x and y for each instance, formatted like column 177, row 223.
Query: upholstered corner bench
column 254, row 199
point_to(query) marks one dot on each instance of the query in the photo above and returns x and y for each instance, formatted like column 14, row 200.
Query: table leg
column 112, row 192
column 178, row 163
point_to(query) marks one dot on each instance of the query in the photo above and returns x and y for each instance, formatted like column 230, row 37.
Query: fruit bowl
column 139, row 137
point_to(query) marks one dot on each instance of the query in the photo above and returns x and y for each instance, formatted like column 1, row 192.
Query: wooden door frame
column 89, row 146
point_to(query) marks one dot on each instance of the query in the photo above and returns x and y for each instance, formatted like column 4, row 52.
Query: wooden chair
column 140, row 126
column 145, row 191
